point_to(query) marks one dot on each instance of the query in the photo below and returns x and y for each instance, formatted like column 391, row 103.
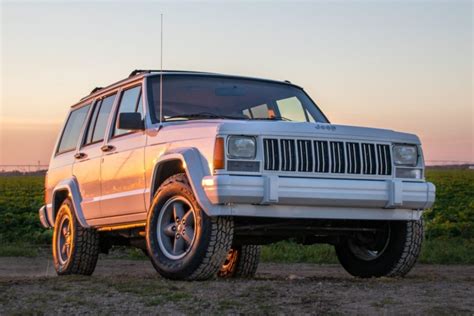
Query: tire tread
column 411, row 249
column 248, row 261
column 220, row 236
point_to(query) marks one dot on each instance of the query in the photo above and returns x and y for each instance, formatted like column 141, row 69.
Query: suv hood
column 323, row 130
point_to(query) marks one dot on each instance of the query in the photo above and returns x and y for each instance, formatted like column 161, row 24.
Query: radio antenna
column 161, row 71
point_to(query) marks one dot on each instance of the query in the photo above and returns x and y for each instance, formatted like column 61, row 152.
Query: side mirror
column 131, row 121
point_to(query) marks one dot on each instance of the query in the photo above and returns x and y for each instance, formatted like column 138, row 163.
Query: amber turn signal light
column 219, row 159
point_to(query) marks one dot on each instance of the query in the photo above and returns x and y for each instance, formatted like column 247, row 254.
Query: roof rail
column 139, row 71
column 92, row 92
column 96, row 89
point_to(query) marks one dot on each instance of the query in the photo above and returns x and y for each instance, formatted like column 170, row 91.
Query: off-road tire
column 397, row 259
column 241, row 262
column 84, row 244
column 213, row 236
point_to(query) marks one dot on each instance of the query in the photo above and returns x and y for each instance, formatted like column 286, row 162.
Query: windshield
column 205, row 97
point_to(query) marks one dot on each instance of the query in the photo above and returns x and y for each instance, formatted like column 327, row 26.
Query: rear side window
column 73, row 129
column 130, row 102
column 99, row 119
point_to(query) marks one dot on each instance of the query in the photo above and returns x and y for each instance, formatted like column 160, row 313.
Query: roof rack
column 96, row 89
column 140, row 71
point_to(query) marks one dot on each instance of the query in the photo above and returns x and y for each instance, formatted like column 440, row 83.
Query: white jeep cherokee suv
column 200, row 169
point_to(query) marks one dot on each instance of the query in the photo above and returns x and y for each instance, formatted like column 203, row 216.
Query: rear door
column 122, row 170
column 61, row 165
column 88, row 157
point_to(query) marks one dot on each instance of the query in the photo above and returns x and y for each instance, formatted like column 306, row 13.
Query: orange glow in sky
column 401, row 65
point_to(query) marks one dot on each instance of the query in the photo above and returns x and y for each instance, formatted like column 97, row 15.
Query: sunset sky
column 402, row 65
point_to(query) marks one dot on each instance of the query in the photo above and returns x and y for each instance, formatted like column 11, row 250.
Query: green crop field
column 449, row 224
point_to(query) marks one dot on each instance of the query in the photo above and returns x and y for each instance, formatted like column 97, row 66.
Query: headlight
column 405, row 155
column 242, row 147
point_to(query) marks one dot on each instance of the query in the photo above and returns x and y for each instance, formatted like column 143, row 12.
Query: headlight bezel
column 399, row 160
column 233, row 155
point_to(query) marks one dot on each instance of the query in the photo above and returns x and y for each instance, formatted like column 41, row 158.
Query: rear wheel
column 391, row 251
column 241, row 262
column 75, row 249
column 182, row 241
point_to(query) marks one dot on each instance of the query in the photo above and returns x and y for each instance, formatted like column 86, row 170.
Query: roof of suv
column 140, row 73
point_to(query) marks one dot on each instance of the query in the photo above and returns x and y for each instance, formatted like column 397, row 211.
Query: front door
column 122, row 170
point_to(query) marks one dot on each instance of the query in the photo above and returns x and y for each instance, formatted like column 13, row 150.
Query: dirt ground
column 30, row 286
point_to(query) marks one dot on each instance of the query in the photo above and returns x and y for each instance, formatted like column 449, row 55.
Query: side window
column 129, row 102
column 99, row 119
column 291, row 108
column 72, row 129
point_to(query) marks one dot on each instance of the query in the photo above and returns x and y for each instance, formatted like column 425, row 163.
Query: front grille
column 320, row 156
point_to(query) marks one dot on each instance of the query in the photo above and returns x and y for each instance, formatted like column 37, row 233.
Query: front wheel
column 183, row 243
column 392, row 250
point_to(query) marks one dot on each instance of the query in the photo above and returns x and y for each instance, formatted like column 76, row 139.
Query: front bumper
column 388, row 199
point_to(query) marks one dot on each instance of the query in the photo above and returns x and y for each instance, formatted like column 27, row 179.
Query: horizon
column 405, row 66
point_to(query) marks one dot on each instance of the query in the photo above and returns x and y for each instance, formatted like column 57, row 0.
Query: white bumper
column 274, row 196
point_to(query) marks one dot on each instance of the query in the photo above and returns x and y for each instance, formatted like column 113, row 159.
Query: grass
column 453, row 212
column 20, row 199
column 286, row 251
column 19, row 249
column 444, row 250
column 449, row 224
column 434, row 251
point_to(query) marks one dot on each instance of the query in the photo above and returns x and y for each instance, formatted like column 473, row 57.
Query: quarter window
column 72, row 129
column 130, row 102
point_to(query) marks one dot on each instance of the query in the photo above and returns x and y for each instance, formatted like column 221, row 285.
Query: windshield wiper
column 274, row 118
column 208, row 115
column 202, row 115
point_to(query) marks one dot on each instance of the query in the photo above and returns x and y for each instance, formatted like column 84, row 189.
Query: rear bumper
column 379, row 199
column 43, row 217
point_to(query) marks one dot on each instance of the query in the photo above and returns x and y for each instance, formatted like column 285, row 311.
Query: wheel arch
column 189, row 161
column 68, row 188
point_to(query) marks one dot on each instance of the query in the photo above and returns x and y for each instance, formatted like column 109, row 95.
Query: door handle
column 80, row 155
column 107, row 148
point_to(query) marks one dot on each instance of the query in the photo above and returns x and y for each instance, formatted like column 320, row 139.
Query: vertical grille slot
column 271, row 153
column 384, row 159
column 305, row 156
column 337, row 157
column 368, row 159
column 321, row 155
column 288, row 155
column 353, row 158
